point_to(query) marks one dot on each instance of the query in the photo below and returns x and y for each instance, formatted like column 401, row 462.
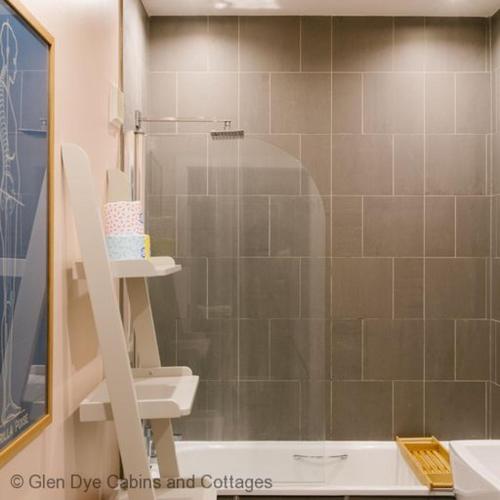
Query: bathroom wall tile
column 207, row 94
column 167, row 329
column 221, row 410
column 201, row 220
column 300, row 226
column 185, row 295
column 269, row 287
column 222, row 167
column 362, row 164
column 439, row 103
column 269, row 43
column 362, row 410
column 346, row 349
column 455, row 288
column 222, row 288
column 254, row 102
column 393, row 103
column 254, row 352
column 456, row 44
column 408, row 408
column 496, row 349
column 409, row 43
column 315, row 287
column 455, row 410
column 362, row 288
column 439, row 226
column 258, row 400
column 495, row 411
column 495, row 36
column 316, row 39
column 300, row 103
column 177, row 164
column 393, row 349
column 316, row 164
column 254, row 225
column 473, row 103
column 178, row 43
column 439, row 349
column 347, row 103
column 362, row 43
column 495, row 226
column 315, row 398
column 393, row 226
column 456, row 164
column 195, row 427
column 409, row 164
column 473, row 226
column 162, row 233
column 222, row 43
column 408, row 288
column 300, row 349
column 495, row 162
column 161, row 96
column 153, row 206
column 473, row 350
column 209, row 347
column 495, row 277
column 347, row 230
column 270, row 165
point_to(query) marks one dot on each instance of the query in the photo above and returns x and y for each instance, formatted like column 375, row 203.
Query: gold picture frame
column 35, row 429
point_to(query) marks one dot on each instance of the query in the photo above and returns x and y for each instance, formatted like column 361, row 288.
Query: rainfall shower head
column 227, row 134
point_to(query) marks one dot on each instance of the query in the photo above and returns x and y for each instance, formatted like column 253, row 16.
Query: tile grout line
column 362, row 349
column 455, row 229
column 393, row 287
column 455, row 350
column 330, row 192
column 300, row 45
column 238, row 242
column 424, row 243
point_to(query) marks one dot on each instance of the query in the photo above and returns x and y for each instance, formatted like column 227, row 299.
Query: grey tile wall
column 337, row 260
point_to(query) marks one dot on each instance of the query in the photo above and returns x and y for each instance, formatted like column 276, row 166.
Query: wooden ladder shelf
column 128, row 395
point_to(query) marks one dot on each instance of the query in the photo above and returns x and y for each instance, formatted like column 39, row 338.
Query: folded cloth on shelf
column 126, row 246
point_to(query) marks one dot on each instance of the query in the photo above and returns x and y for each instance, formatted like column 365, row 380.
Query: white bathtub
column 476, row 469
column 364, row 468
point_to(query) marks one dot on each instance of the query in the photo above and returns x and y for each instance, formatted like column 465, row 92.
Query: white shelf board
column 140, row 268
column 161, row 393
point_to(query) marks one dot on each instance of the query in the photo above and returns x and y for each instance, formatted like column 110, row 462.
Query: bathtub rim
column 312, row 488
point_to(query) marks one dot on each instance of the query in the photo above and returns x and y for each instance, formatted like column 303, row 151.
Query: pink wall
column 87, row 62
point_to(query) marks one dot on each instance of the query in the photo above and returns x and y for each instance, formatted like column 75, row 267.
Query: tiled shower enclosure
column 338, row 260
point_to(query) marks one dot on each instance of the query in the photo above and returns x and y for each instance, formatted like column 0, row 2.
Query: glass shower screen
column 250, row 312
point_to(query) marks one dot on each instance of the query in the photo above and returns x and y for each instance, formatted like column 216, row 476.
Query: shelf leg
column 142, row 323
column 163, row 438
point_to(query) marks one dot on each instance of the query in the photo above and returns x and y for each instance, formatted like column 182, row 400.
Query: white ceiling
column 481, row 8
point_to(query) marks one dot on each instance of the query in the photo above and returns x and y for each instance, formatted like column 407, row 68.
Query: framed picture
column 26, row 232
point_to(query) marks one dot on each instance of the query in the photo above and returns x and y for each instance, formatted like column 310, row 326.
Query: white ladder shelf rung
column 159, row 395
column 140, row 268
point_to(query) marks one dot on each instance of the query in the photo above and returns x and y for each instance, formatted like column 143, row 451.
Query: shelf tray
column 429, row 460
column 161, row 393
column 140, row 268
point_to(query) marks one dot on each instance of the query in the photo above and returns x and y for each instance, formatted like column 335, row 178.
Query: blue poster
column 24, row 226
